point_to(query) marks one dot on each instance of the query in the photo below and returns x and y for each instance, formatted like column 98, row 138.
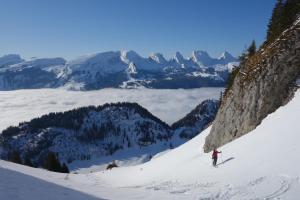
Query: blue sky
column 69, row 28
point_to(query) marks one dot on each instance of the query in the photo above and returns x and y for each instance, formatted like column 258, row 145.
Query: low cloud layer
column 168, row 105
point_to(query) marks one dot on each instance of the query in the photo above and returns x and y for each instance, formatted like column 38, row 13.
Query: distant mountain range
column 117, row 69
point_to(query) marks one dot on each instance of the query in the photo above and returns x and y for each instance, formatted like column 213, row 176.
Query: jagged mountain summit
column 117, row 69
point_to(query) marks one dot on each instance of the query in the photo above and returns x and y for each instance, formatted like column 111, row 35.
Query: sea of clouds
column 169, row 105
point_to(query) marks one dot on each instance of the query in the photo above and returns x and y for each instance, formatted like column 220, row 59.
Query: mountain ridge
column 118, row 69
column 94, row 132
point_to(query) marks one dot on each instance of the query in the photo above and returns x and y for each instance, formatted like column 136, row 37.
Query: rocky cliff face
column 265, row 82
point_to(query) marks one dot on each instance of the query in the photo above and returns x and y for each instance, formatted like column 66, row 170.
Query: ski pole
column 222, row 156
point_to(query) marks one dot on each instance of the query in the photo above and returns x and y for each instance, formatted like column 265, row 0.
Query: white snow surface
column 54, row 65
column 168, row 105
column 298, row 82
column 260, row 165
column 109, row 61
column 116, row 61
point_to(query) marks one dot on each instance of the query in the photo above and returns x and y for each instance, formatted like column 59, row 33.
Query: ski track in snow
column 93, row 184
column 254, row 170
column 217, row 191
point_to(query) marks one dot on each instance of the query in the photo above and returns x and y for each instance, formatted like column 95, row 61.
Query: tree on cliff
column 283, row 16
column 251, row 49
column 52, row 163
column 275, row 23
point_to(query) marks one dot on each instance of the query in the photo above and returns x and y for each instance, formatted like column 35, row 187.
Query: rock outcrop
column 264, row 82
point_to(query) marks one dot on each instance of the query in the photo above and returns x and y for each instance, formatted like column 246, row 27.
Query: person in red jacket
column 215, row 156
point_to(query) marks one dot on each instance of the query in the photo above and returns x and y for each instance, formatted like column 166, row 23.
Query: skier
column 215, row 157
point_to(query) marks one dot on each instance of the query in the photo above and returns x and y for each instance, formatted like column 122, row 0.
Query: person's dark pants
column 215, row 159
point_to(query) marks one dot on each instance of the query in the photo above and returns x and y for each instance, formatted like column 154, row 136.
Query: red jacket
column 215, row 154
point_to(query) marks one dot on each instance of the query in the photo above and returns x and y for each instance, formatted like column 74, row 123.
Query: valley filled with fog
column 168, row 105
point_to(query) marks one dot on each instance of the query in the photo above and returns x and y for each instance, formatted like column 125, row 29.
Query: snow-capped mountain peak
column 10, row 59
column 130, row 56
column 41, row 63
column 45, row 62
column 201, row 57
column 178, row 57
column 94, row 58
column 110, row 69
column 109, row 61
column 158, row 57
column 227, row 57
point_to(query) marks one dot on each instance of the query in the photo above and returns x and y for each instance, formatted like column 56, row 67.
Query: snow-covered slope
column 260, row 165
column 34, row 73
column 42, row 63
column 106, row 62
column 21, row 185
column 202, row 58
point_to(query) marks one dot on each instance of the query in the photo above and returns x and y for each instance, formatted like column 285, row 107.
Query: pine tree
column 275, row 24
column 251, row 49
column 15, row 157
column 290, row 12
column 230, row 79
column 283, row 16
column 242, row 58
column 51, row 163
column 28, row 162
column 128, row 144
column 64, row 168
column 220, row 98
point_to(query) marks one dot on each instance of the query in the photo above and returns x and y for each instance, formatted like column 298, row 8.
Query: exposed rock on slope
column 264, row 83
